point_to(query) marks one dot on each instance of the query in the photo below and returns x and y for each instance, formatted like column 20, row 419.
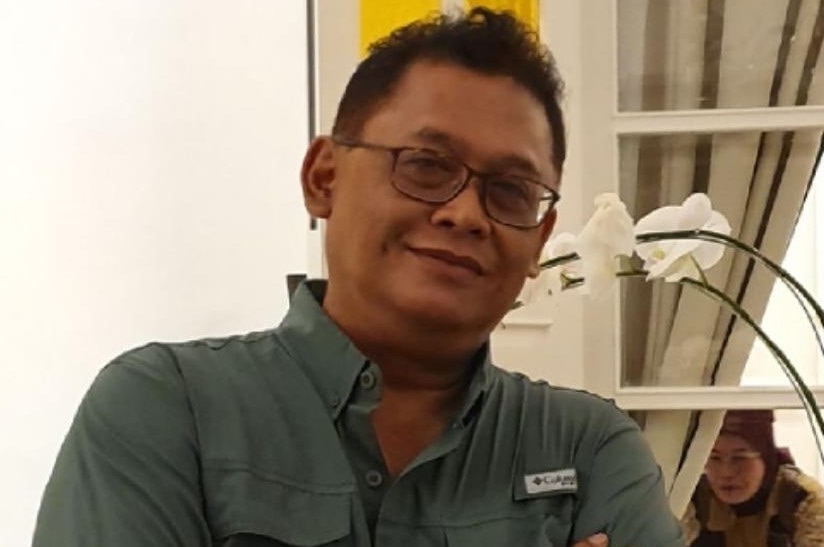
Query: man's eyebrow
column 502, row 163
column 432, row 136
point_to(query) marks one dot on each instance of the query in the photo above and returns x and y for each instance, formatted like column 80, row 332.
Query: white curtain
column 712, row 54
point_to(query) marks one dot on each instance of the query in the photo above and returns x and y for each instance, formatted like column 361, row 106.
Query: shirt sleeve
column 623, row 495
column 127, row 472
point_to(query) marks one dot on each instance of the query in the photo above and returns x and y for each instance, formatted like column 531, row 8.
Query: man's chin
column 448, row 312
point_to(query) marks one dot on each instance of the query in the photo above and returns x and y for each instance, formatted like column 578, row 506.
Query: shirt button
column 367, row 380
column 374, row 478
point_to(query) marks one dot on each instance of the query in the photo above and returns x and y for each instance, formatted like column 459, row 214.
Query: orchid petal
column 676, row 259
column 695, row 212
column 660, row 220
column 548, row 281
column 608, row 234
column 560, row 245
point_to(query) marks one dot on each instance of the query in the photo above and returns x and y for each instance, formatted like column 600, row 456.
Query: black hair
column 486, row 41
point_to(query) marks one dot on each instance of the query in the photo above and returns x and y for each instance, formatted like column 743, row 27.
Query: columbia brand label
column 562, row 480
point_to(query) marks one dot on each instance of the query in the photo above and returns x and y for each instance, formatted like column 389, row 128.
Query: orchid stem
column 799, row 292
column 801, row 388
column 804, row 393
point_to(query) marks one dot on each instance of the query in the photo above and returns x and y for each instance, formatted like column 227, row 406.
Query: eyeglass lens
column 435, row 178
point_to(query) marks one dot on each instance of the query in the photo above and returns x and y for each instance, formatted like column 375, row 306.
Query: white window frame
column 592, row 106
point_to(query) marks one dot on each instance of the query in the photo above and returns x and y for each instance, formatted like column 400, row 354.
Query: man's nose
column 465, row 211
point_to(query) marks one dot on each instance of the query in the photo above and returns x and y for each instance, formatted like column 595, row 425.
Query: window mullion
column 710, row 397
column 719, row 120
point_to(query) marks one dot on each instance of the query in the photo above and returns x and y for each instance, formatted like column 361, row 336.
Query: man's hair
column 489, row 42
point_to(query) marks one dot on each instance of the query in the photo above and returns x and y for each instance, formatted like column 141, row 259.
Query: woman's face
column 735, row 470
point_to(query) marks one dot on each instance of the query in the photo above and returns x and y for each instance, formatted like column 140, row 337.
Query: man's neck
column 416, row 407
column 412, row 353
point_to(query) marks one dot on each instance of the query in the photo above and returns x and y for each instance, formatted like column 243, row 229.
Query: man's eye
column 434, row 164
column 512, row 189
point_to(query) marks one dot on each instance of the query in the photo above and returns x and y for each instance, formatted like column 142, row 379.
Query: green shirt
column 264, row 440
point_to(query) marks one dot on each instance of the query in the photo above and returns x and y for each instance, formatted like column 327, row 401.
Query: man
column 372, row 415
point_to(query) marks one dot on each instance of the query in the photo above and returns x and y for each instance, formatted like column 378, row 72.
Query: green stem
column 801, row 388
column 799, row 292
column 558, row 261
column 804, row 393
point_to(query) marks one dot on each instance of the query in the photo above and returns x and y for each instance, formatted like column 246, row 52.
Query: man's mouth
column 463, row 261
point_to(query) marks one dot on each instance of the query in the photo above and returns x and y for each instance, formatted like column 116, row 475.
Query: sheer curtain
column 704, row 55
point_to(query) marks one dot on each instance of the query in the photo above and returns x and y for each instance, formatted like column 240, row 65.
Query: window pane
column 672, row 335
column 783, row 318
column 792, row 430
column 677, row 55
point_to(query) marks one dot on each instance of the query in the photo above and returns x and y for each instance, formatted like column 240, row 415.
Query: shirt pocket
column 245, row 509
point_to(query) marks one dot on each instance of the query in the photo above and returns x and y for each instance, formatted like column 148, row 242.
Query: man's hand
column 596, row 540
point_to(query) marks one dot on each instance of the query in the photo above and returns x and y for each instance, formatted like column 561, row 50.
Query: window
column 667, row 98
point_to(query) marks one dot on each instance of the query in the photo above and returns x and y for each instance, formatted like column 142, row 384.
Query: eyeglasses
column 432, row 177
column 737, row 461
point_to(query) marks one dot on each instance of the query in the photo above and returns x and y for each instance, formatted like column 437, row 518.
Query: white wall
column 149, row 153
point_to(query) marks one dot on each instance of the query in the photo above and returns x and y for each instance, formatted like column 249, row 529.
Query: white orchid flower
column 562, row 244
column 607, row 236
column 679, row 258
column 548, row 281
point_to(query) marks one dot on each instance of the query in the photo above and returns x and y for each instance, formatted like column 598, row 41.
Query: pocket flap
column 239, row 501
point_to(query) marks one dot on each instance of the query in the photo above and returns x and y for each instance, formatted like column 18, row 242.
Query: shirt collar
column 479, row 381
column 333, row 363
column 329, row 358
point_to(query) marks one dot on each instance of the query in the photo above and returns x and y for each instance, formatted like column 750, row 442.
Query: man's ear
column 317, row 176
column 545, row 231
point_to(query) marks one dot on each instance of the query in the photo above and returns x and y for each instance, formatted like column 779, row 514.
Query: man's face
column 447, row 265
column 734, row 470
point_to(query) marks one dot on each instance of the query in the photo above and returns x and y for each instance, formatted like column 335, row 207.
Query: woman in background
column 751, row 493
